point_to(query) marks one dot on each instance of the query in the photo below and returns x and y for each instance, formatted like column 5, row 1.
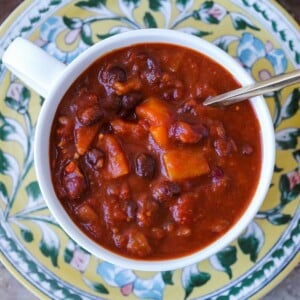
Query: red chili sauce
column 140, row 165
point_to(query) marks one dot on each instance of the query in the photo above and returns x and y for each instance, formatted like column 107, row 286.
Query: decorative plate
column 263, row 38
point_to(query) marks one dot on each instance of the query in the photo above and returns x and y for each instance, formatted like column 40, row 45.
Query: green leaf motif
column 72, row 23
column 224, row 41
column 9, row 166
column 224, row 259
column 291, row 106
column 27, row 235
column 279, row 219
column 200, row 33
column 149, row 20
column 191, row 277
column 240, row 22
column 287, row 138
column 96, row 286
column 131, row 3
column 91, row 3
column 21, row 104
column 207, row 5
column 33, row 191
column 3, row 192
column 251, row 241
column 86, row 35
column 155, row 5
column 167, row 277
column 288, row 194
column 11, row 130
column 183, row 5
column 296, row 155
column 49, row 244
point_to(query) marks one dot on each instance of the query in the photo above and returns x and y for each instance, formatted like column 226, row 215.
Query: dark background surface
column 288, row 289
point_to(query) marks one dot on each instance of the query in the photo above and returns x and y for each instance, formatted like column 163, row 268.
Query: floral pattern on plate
column 257, row 35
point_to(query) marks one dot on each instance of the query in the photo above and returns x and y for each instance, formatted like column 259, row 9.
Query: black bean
column 165, row 190
column 145, row 165
column 106, row 128
column 116, row 74
column 112, row 103
column 129, row 102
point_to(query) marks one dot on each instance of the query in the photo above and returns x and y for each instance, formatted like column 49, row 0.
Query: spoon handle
column 256, row 89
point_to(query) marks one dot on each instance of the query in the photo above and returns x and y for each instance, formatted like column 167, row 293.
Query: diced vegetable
column 117, row 164
column 84, row 136
column 185, row 163
column 189, row 133
column 154, row 111
column 160, row 135
column 138, row 244
column 126, row 128
column 122, row 88
column 86, row 214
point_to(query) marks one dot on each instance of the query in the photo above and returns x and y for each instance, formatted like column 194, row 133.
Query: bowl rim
column 73, row 70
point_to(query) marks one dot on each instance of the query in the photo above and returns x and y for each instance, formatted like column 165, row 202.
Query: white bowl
column 66, row 77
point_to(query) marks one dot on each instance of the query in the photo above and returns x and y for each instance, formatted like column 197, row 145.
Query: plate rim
column 10, row 19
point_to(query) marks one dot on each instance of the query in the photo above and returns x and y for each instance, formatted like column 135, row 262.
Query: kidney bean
column 95, row 158
column 154, row 72
column 165, row 191
column 73, row 181
column 184, row 209
column 189, row 133
column 219, row 180
column 222, row 147
column 89, row 115
column 131, row 210
column 145, row 165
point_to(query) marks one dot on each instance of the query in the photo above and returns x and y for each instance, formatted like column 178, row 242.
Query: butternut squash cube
column 154, row 111
column 117, row 163
column 185, row 163
column 84, row 136
column 160, row 135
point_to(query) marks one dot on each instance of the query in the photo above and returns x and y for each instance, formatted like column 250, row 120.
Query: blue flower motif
column 251, row 49
column 114, row 275
column 49, row 33
column 128, row 281
column 150, row 289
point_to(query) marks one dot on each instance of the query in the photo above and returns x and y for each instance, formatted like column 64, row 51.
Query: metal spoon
column 256, row 89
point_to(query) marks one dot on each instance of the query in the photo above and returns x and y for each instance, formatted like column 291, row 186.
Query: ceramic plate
column 263, row 38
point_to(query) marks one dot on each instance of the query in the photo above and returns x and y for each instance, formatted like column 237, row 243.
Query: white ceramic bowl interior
column 67, row 77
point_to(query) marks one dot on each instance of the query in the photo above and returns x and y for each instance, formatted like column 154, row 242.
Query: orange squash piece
column 154, row 111
column 160, row 135
column 185, row 163
column 117, row 163
column 84, row 136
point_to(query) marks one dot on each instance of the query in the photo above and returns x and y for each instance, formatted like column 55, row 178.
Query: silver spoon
column 256, row 89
